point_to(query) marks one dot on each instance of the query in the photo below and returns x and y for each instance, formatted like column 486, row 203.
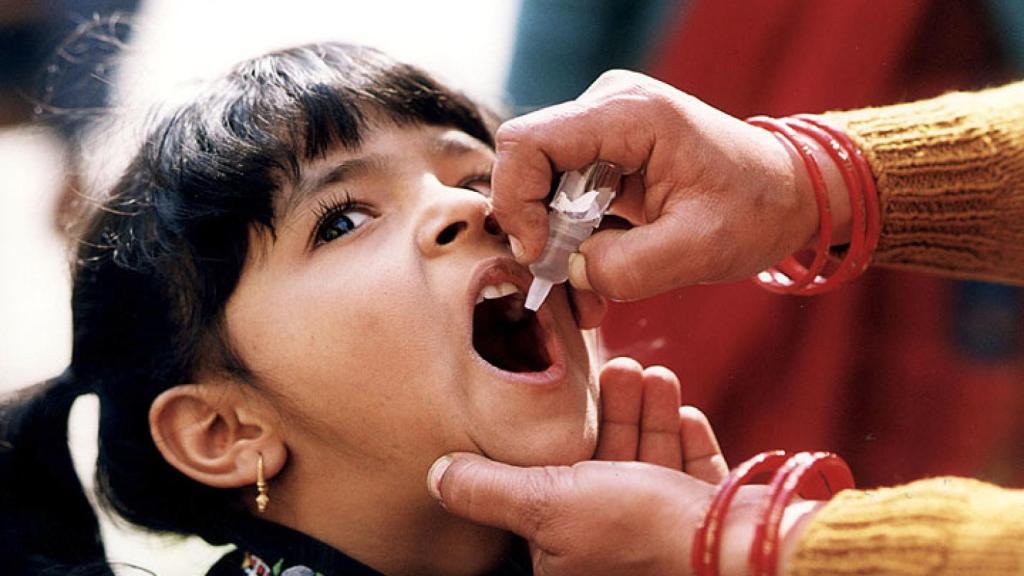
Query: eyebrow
column 346, row 170
column 457, row 144
column 447, row 145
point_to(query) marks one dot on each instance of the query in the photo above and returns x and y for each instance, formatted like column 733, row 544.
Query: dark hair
column 156, row 265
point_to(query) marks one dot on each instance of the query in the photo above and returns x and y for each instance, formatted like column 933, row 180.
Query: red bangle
column 790, row 276
column 796, row 476
column 707, row 539
column 871, row 207
column 849, row 267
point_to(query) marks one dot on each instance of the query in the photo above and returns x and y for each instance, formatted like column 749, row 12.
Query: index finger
column 532, row 148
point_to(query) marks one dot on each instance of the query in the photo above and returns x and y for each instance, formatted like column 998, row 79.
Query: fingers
column 487, row 492
column 646, row 260
column 629, row 200
column 639, row 414
column 532, row 148
column 521, row 181
column 622, row 392
column 702, row 456
column 659, row 430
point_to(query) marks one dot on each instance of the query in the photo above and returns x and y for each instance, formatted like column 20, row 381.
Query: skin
column 366, row 373
column 632, row 510
column 711, row 198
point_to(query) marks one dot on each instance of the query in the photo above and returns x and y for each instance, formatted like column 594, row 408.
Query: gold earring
column 262, row 497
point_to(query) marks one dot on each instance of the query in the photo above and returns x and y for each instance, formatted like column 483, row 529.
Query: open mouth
column 506, row 334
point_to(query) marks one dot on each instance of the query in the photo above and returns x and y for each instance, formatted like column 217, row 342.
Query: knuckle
column 538, row 500
column 511, row 135
column 463, row 483
column 618, row 76
column 604, row 261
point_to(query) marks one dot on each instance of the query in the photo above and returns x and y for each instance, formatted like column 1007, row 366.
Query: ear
column 215, row 433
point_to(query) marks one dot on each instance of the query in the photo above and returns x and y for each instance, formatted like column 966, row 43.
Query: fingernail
column 434, row 476
column 517, row 247
column 578, row 272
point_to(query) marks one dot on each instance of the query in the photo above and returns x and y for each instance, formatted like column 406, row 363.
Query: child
column 295, row 291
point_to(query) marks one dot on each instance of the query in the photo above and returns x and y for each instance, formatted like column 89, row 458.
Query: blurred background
column 904, row 375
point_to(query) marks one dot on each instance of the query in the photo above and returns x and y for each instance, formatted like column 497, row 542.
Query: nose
column 452, row 217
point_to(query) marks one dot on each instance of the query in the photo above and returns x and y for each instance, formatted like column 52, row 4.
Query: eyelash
column 328, row 209
column 482, row 177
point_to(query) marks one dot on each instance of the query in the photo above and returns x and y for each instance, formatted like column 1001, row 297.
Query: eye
column 478, row 183
column 339, row 219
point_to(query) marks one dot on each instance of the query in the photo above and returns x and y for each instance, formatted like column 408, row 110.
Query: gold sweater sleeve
column 950, row 177
column 937, row 527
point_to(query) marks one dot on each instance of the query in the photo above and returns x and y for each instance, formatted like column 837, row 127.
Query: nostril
column 491, row 226
column 450, row 233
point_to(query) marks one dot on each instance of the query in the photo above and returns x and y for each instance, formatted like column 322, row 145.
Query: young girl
column 290, row 304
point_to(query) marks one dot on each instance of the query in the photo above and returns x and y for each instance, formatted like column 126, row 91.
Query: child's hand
column 641, row 419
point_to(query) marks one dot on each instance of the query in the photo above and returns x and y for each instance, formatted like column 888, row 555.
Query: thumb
column 642, row 261
column 520, row 500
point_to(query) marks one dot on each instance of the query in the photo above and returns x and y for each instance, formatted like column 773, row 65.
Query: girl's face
column 386, row 313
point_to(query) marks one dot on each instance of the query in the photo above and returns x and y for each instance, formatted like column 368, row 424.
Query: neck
column 392, row 526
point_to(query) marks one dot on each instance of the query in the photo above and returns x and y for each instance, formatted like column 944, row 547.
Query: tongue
column 508, row 337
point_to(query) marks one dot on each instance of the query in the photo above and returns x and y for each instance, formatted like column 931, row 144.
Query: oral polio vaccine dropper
column 579, row 204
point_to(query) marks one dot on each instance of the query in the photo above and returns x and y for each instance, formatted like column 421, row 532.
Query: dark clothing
column 269, row 549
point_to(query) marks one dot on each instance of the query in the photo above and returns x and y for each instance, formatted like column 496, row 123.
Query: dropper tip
column 538, row 292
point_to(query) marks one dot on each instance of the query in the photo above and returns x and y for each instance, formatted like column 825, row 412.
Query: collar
column 269, row 549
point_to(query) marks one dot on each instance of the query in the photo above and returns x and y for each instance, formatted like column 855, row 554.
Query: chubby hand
column 711, row 198
column 630, row 511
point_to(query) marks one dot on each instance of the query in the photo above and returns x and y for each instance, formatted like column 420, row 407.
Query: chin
column 549, row 445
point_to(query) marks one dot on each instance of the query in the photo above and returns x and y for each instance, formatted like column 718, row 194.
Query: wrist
column 846, row 202
column 738, row 532
column 795, row 520
column 838, row 193
column 741, row 517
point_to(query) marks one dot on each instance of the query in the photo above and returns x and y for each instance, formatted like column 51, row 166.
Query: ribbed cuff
column 950, row 175
column 936, row 527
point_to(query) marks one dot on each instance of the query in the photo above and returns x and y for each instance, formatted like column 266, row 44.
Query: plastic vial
column 576, row 210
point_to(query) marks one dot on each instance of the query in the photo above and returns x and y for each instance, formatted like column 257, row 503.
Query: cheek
column 344, row 331
column 357, row 355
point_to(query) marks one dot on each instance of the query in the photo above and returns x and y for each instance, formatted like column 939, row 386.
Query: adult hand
column 603, row 517
column 711, row 197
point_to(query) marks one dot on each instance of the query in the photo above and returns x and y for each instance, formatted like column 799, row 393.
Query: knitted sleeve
column 950, row 176
column 936, row 527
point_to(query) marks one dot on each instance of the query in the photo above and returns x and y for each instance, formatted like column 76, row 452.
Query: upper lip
column 495, row 271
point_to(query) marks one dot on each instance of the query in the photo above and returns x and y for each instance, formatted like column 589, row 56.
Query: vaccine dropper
column 576, row 210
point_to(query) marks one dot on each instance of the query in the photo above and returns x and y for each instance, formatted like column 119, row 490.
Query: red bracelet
column 849, row 267
column 707, row 539
column 790, row 276
column 796, row 476
column 871, row 208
